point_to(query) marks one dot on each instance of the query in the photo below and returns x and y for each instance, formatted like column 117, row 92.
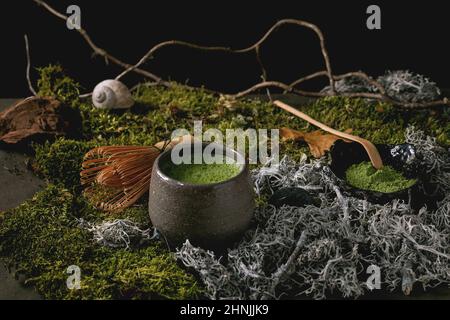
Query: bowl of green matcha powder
column 398, row 179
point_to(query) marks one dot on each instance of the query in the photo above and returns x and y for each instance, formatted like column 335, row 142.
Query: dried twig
column 255, row 47
column 264, row 84
column 97, row 50
column 27, row 48
column 263, row 71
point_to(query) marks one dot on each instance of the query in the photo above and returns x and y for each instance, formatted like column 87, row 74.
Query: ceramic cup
column 212, row 216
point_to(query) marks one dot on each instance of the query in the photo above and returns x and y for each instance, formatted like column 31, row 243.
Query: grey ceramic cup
column 212, row 216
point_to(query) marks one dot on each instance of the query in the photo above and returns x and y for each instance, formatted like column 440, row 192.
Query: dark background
column 414, row 36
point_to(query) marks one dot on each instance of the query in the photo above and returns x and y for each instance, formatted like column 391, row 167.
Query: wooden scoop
column 370, row 148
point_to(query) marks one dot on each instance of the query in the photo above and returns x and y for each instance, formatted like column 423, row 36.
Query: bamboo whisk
column 125, row 171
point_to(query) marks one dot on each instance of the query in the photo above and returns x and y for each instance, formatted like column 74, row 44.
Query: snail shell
column 112, row 94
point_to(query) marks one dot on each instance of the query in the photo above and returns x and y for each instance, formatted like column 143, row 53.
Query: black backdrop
column 414, row 35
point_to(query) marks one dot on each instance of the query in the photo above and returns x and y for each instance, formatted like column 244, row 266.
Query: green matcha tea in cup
column 202, row 193
column 202, row 173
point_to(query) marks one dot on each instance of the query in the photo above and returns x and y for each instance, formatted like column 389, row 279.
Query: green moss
column 386, row 180
column 158, row 111
column 41, row 239
column 153, row 120
column 195, row 102
column 60, row 161
column 378, row 122
column 53, row 82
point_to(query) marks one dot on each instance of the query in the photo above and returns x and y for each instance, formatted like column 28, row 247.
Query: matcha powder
column 387, row 180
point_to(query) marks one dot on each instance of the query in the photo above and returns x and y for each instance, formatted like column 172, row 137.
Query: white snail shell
column 112, row 94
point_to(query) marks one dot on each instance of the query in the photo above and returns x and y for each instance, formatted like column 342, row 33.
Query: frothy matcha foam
column 202, row 173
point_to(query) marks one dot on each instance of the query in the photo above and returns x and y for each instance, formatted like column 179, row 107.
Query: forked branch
column 265, row 83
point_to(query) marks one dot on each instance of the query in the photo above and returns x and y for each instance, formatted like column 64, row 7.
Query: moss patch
column 54, row 83
column 60, row 161
column 41, row 239
column 386, row 180
column 153, row 120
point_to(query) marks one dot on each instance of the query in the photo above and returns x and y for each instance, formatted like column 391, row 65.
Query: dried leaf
column 318, row 142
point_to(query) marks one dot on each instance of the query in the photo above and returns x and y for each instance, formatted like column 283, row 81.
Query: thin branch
column 380, row 96
column 358, row 74
column 168, row 44
column 27, row 49
column 254, row 47
column 307, row 78
column 99, row 51
column 306, row 25
column 364, row 76
column 85, row 95
column 263, row 70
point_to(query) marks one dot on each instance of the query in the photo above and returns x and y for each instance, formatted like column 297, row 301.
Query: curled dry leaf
column 318, row 142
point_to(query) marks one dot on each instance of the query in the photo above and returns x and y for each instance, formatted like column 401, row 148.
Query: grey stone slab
column 17, row 184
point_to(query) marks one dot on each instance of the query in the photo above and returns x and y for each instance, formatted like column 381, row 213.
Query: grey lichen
column 405, row 86
column 118, row 233
column 345, row 235
column 400, row 85
column 352, row 85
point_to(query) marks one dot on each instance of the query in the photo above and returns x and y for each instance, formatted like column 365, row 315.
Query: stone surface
column 17, row 184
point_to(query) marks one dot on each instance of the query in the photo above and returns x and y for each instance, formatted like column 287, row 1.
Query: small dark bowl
column 212, row 216
column 400, row 157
